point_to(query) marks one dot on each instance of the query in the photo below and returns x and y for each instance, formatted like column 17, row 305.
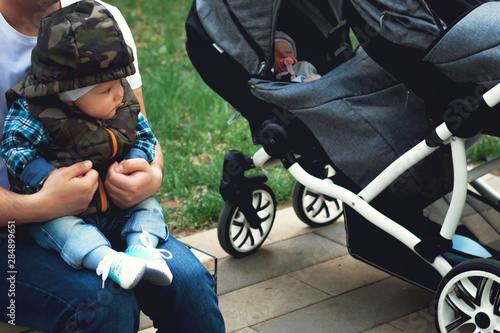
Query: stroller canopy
column 241, row 28
column 245, row 29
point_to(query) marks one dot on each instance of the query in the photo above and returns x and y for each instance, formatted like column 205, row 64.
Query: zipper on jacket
column 102, row 195
column 102, row 190
column 114, row 143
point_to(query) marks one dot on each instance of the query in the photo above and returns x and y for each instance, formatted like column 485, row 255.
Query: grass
column 190, row 120
column 485, row 150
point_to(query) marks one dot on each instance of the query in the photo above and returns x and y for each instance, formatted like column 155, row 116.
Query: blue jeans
column 74, row 237
column 51, row 296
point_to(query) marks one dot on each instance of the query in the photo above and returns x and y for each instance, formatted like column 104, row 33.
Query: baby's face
column 282, row 49
column 102, row 101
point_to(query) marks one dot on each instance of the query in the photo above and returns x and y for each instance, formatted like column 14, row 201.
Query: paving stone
column 495, row 245
column 339, row 275
column 493, row 218
column 286, row 225
column 355, row 311
column 478, row 205
column 418, row 322
column 437, row 210
column 206, row 241
column 246, row 330
column 480, row 228
column 335, row 232
column 7, row 328
column 266, row 300
column 384, row 329
column 148, row 330
column 276, row 259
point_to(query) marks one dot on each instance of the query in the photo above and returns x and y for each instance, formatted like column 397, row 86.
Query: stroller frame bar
column 391, row 227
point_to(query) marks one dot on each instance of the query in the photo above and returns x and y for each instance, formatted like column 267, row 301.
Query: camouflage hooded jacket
column 78, row 46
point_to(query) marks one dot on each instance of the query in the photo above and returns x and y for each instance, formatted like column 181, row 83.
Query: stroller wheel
column 468, row 298
column 235, row 234
column 315, row 209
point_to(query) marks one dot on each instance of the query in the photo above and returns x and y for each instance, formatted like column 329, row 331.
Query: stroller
column 379, row 137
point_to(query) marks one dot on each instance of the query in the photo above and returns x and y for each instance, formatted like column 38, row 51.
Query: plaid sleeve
column 145, row 140
column 22, row 135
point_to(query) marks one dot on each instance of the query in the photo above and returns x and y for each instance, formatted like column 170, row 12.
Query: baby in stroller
column 393, row 121
column 287, row 64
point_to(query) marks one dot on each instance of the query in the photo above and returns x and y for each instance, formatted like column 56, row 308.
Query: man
column 38, row 289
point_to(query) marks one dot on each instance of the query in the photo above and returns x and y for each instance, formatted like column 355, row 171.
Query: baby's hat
column 280, row 36
column 78, row 46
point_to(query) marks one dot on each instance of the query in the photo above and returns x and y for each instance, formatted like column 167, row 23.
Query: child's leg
column 134, row 238
column 148, row 216
column 94, row 257
column 83, row 245
column 143, row 231
column 70, row 236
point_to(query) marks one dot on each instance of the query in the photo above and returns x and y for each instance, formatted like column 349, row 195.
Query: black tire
column 315, row 210
column 468, row 298
column 235, row 234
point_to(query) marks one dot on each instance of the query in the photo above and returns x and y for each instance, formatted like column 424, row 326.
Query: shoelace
column 106, row 263
column 145, row 238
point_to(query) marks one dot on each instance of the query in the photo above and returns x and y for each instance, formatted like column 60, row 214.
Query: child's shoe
column 125, row 270
column 157, row 271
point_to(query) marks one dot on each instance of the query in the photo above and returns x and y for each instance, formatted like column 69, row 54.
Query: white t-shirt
column 15, row 59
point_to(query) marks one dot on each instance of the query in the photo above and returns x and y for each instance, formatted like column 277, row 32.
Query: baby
column 287, row 66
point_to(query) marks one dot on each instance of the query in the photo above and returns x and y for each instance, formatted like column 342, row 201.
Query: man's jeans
column 49, row 295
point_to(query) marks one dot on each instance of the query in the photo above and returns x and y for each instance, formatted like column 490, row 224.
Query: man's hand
column 132, row 181
column 69, row 190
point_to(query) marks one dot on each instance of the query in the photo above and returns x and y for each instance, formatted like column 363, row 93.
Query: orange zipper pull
column 102, row 195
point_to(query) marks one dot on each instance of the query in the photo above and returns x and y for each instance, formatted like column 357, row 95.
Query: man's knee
column 111, row 309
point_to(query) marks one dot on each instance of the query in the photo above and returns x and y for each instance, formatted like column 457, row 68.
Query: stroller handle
column 492, row 96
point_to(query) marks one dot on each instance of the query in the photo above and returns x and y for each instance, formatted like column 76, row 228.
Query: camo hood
column 78, row 46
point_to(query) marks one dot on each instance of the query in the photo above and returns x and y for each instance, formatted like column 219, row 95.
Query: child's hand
column 128, row 182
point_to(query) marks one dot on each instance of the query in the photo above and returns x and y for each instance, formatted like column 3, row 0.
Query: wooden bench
column 145, row 325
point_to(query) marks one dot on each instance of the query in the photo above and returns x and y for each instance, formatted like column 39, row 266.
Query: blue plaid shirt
column 23, row 134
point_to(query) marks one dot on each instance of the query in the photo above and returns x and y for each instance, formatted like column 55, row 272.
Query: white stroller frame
column 462, row 177
column 360, row 201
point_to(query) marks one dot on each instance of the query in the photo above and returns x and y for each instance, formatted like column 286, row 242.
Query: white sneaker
column 125, row 270
column 157, row 271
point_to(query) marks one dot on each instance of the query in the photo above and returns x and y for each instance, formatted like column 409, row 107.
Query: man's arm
column 67, row 191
